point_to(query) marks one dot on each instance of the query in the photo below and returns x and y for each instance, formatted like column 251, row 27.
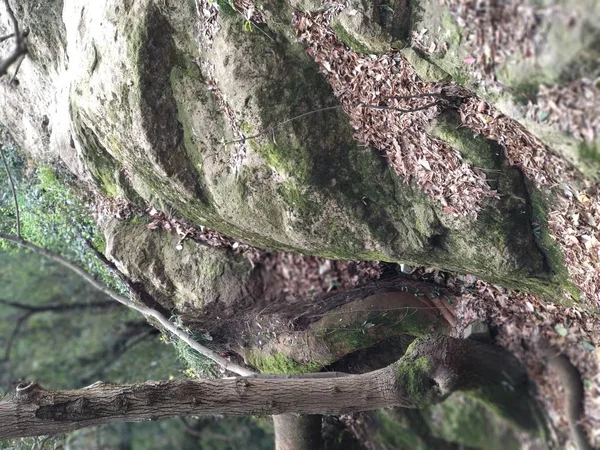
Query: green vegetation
column 413, row 373
column 397, row 434
column 52, row 216
column 35, row 443
column 198, row 366
column 377, row 328
column 590, row 154
column 280, row 363
column 475, row 149
column 550, row 249
column 467, row 421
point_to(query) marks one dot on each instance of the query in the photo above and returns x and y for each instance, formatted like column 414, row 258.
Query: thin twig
column 13, row 189
column 277, row 125
column 423, row 95
column 364, row 105
column 17, row 67
column 400, row 110
column 4, row 38
column 169, row 326
column 20, row 43
column 57, row 307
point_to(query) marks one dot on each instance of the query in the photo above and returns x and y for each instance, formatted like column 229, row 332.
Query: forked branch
column 20, row 49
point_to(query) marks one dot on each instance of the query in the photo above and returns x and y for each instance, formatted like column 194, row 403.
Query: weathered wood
column 36, row 411
column 432, row 368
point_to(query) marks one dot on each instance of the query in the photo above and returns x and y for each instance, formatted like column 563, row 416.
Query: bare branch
column 18, row 66
column 4, row 38
column 423, row 95
column 13, row 335
column 272, row 128
column 277, row 125
column 165, row 323
column 12, row 188
column 20, row 49
column 400, row 110
column 60, row 307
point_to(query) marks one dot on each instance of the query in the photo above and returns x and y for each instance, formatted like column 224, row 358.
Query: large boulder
column 155, row 102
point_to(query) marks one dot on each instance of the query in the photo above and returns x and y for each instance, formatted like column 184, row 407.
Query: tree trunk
column 432, row 368
column 293, row 432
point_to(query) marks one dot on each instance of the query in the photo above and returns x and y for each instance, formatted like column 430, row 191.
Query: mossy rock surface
column 348, row 332
column 182, row 276
column 152, row 109
column 305, row 186
column 464, row 420
column 571, row 50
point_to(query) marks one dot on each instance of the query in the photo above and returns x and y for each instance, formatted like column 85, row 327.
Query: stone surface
column 478, row 331
column 147, row 108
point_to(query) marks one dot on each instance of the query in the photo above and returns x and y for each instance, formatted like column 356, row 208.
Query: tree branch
column 12, row 188
column 272, row 128
column 20, row 49
column 58, row 308
column 433, row 368
column 164, row 322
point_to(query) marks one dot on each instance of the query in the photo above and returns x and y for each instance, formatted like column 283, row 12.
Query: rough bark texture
column 294, row 432
column 35, row 411
column 432, row 368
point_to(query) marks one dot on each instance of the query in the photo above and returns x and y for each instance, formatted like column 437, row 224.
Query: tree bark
column 36, row 411
column 432, row 368
column 293, row 432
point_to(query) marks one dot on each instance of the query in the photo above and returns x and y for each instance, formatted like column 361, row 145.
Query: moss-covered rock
column 346, row 330
column 519, row 206
column 463, row 419
column 29, row 108
column 570, row 51
column 194, row 279
column 425, row 69
column 153, row 100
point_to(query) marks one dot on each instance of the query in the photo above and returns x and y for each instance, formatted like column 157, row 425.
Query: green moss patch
column 426, row 70
column 475, row 149
column 413, row 374
column 350, row 40
column 280, row 363
column 467, row 421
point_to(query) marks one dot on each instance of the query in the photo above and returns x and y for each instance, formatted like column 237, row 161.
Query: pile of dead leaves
column 374, row 90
